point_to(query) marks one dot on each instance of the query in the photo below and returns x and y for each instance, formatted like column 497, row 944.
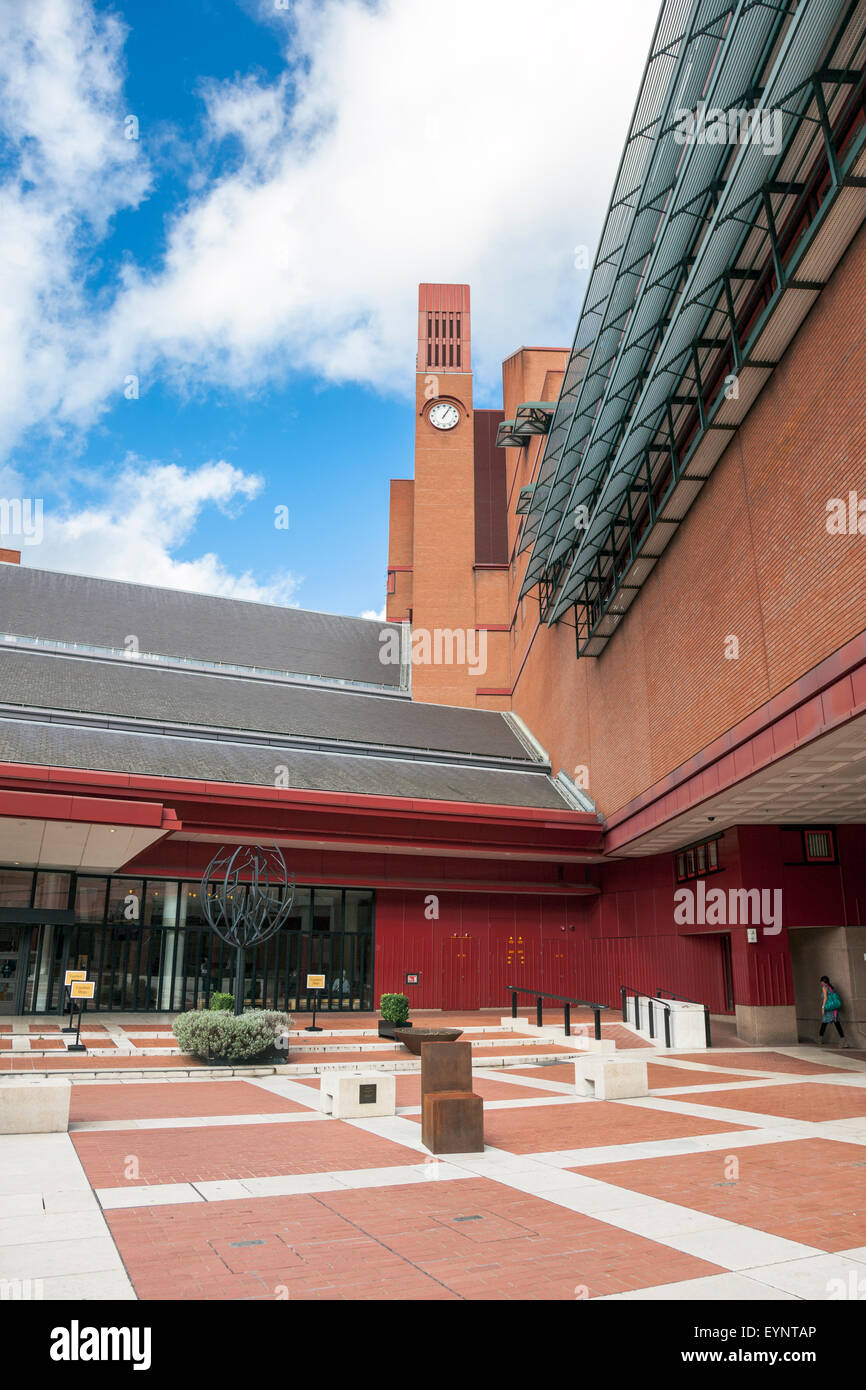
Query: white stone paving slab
column 821, row 1277
column 52, row 1226
column 713, row 1288
column 194, row 1122
column 105, row 1285
column 738, row 1247
column 148, row 1195
column 42, row 1259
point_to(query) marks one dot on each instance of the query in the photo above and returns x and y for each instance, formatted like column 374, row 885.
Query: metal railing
column 638, row 994
column 683, row 1000
column 560, row 999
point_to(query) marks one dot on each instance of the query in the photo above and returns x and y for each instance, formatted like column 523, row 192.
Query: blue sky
column 217, row 318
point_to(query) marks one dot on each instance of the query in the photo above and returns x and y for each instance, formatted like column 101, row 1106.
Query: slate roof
column 169, row 695
column 162, row 755
column 100, row 713
column 170, row 622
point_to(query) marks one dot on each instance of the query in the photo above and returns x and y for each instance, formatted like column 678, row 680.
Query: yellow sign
column 74, row 975
column 82, row 989
column 315, row 982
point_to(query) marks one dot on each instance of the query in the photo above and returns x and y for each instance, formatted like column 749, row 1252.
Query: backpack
column 832, row 1001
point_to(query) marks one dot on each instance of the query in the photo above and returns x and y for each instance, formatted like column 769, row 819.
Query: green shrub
column 222, row 1001
column 220, row 1036
column 394, row 1008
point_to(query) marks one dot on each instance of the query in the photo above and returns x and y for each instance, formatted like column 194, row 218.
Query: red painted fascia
column 831, row 694
column 35, row 805
column 411, row 821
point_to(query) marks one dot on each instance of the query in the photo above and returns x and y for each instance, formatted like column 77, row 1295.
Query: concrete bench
column 356, row 1095
column 36, row 1105
column 610, row 1078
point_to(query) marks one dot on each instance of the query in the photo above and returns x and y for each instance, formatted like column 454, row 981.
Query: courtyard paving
column 741, row 1175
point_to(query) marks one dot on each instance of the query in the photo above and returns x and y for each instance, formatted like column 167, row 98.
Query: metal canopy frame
column 530, row 419
column 710, row 259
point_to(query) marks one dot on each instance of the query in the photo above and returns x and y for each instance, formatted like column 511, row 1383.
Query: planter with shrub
column 220, row 1002
column 394, row 1009
column 215, row 1035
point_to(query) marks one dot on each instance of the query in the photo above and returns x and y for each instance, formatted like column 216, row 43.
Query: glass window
column 160, row 903
column 690, row 863
column 681, row 866
column 191, row 905
column 299, row 917
column 52, row 891
column 15, row 886
column 701, row 858
column 713, row 854
column 359, row 910
column 124, row 900
column 327, row 909
column 90, row 899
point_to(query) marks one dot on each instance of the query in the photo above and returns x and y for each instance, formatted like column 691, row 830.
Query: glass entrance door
column 14, row 942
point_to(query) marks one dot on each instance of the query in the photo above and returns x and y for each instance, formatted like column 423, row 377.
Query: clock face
column 443, row 415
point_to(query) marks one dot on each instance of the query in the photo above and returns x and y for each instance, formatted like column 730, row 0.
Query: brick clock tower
column 448, row 560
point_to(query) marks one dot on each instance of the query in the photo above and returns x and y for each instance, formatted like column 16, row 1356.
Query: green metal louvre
column 681, row 177
column 667, row 42
column 702, row 221
column 760, row 205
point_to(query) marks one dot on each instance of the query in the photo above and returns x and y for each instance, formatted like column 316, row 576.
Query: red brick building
column 681, row 617
column 612, row 731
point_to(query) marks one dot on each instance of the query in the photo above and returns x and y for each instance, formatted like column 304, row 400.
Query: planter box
column 389, row 1030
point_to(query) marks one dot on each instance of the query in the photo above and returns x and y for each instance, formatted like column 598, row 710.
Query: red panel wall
column 494, row 939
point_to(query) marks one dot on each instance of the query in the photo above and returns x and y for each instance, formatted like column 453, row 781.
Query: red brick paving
column 409, row 1088
column 808, row 1190
column 91, row 1063
column 45, row 1044
column 379, row 1244
column 807, row 1101
column 559, row 1071
column 589, row 1125
column 662, row 1077
column 173, row 1100
column 223, row 1151
column 659, row 1077
column 760, row 1061
column 505, row 1050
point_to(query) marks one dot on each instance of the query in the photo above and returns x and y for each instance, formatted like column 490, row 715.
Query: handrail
column 656, row 998
column 561, row 999
column 642, row 994
column 701, row 1005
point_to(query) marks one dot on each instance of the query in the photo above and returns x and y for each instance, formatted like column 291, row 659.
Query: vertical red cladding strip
column 491, row 502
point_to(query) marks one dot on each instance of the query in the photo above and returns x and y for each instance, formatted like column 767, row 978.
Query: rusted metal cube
column 452, row 1122
column 445, row 1066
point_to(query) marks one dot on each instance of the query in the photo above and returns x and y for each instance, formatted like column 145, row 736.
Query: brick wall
column 753, row 560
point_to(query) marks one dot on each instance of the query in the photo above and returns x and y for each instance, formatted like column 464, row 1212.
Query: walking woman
column 830, row 1006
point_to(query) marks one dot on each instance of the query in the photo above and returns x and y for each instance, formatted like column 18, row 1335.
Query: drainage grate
column 468, row 1218
column 236, row 1244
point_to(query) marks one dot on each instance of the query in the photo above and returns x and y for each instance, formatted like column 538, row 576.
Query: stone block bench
column 36, row 1105
column 357, row 1095
column 610, row 1078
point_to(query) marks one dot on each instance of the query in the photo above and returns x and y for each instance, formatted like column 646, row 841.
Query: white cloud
column 404, row 142
column 132, row 525
column 375, row 617
column 67, row 169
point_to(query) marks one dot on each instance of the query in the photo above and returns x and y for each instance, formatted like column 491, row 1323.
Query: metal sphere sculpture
column 247, row 894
